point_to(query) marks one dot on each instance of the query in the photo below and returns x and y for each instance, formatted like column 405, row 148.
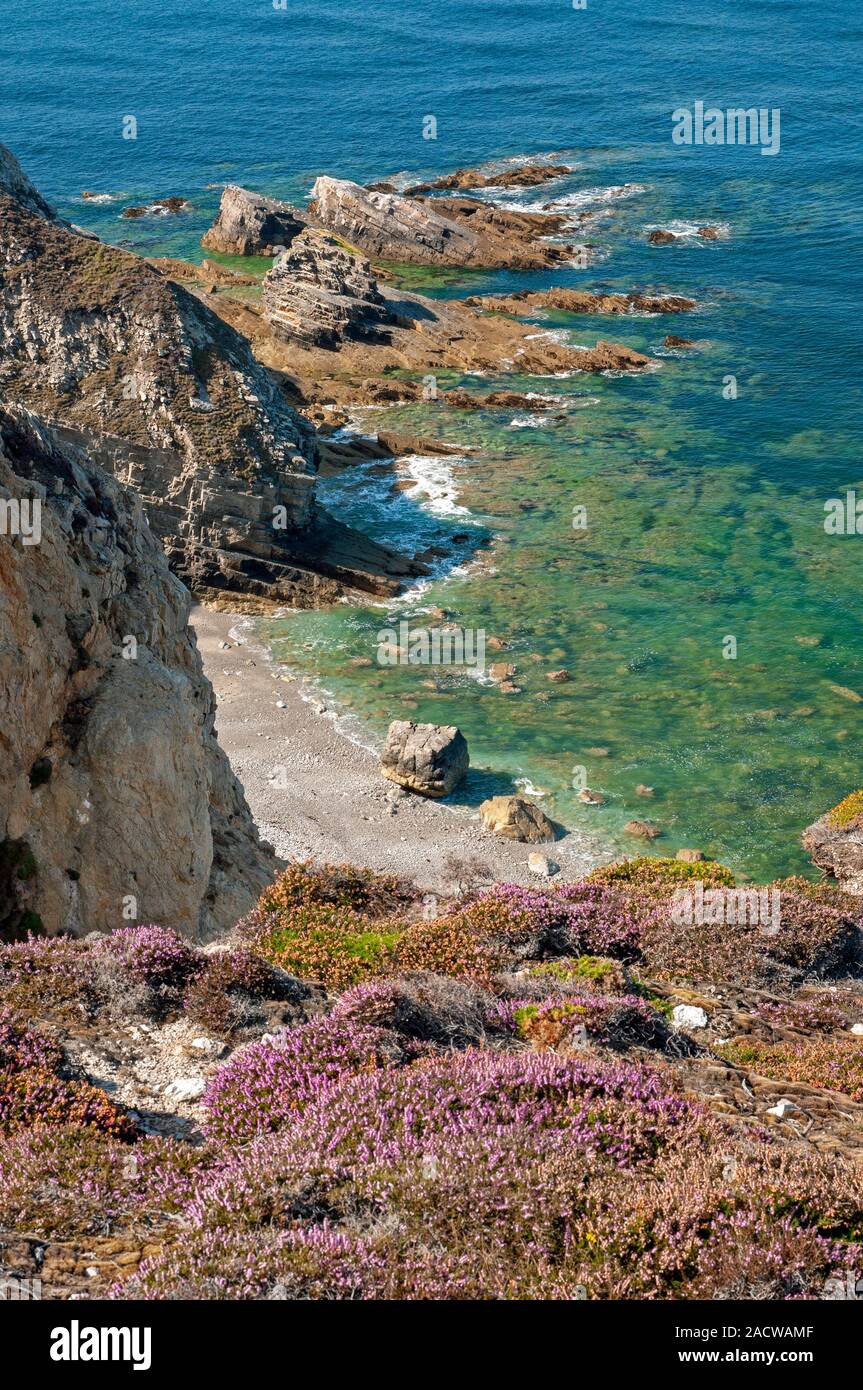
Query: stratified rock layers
column 437, row 231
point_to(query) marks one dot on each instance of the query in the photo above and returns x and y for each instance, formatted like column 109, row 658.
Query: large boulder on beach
column 835, row 843
column 513, row 818
column 427, row 758
column 248, row 224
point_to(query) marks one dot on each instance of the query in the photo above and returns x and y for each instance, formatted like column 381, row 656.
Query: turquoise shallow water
column 705, row 515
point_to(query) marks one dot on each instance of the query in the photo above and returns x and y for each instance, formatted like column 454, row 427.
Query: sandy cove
column 330, row 802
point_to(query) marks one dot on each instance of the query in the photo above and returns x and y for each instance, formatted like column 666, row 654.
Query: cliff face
column 114, row 794
column 162, row 392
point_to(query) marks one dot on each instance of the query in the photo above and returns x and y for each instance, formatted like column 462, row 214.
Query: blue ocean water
column 709, row 511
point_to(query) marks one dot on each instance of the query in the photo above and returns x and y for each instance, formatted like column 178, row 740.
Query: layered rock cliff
column 163, row 393
column 116, row 803
column 321, row 294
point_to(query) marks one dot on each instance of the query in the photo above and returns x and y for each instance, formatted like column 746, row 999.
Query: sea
column 659, row 536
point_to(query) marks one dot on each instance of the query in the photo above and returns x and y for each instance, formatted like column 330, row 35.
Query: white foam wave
column 434, row 482
column 590, row 197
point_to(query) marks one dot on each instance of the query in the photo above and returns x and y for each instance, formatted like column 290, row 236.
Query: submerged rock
column 431, row 759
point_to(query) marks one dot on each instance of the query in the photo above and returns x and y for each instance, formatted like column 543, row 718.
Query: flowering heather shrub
column 815, row 936
column 814, row 939
column 221, row 998
column 315, row 1263
column 337, row 885
column 823, row 891
column 428, row 1007
column 576, row 919
column 20, row 1047
column 38, row 1097
column 820, row 1013
column 265, row 1084
column 47, row 975
column 623, row 1111
column 66, row 1180
column 834, row 1063
column 618, row 1020
column 152, row 956
column 656, row 872
column 333, row 945
column 450, row 945
column 671, row 1232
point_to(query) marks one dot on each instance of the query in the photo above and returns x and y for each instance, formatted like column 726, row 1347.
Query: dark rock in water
column 248, row 224
column 431, row 759
column 672, row 341
column 709, row 233
column 660, row 238
column 113, row 781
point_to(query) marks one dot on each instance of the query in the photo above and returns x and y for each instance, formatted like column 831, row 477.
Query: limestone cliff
column 116, row 802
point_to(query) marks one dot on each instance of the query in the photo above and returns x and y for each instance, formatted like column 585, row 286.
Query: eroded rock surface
column 583, row 302
column 248, row 224
column 159, row 390
column 514, row 818
column 439, row 231
column 117, row 802
column 319, row 294
column 835, row 843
